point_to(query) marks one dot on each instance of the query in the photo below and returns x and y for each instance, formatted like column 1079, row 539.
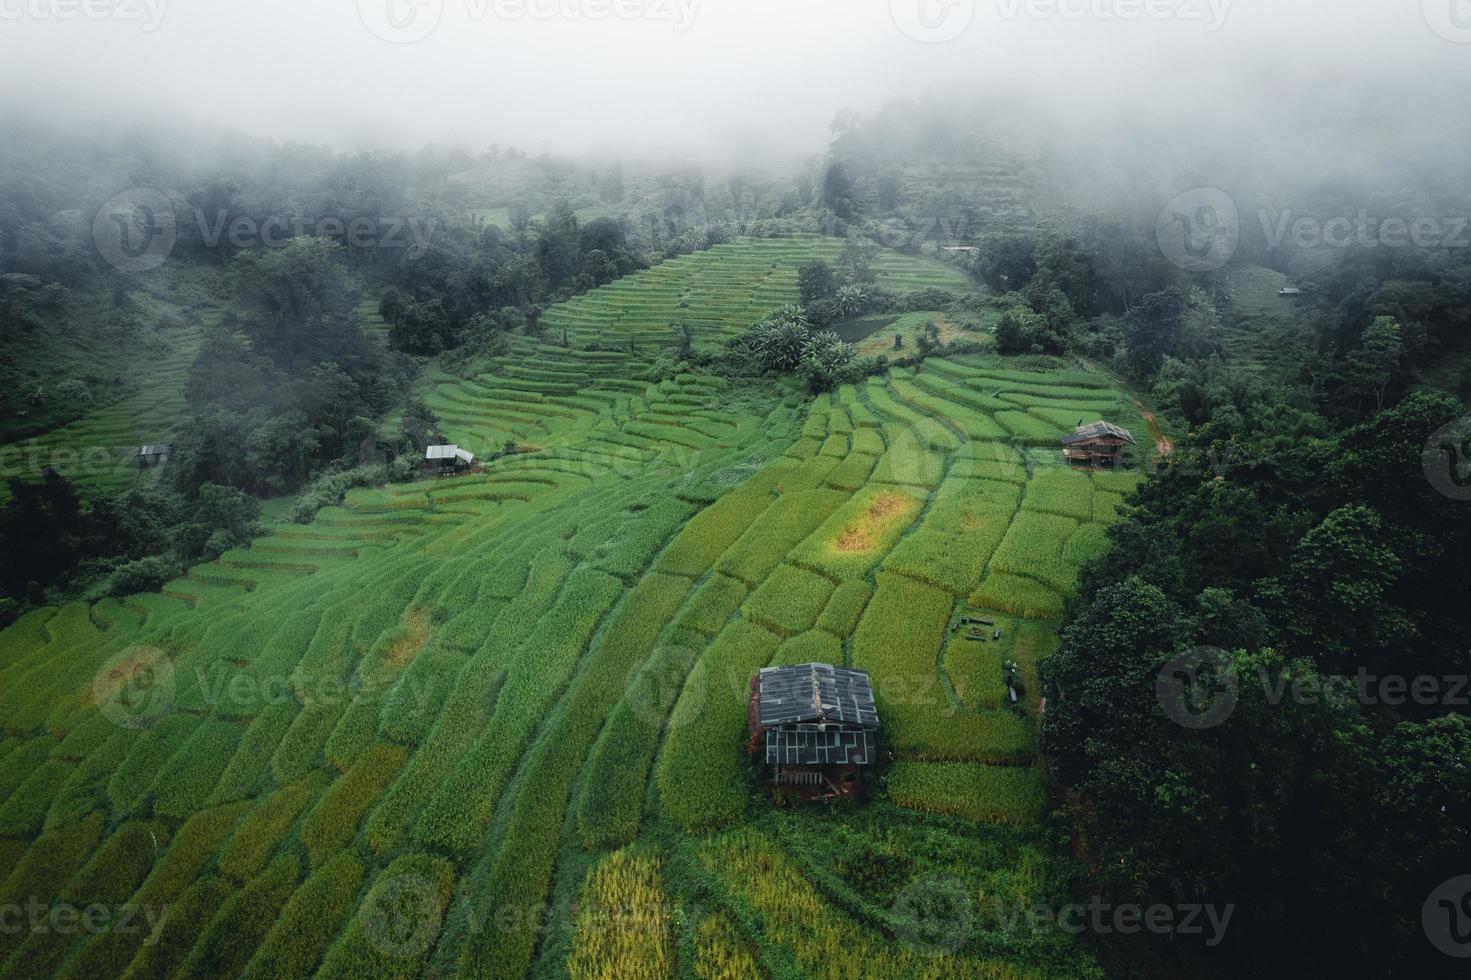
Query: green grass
column 1001, row 794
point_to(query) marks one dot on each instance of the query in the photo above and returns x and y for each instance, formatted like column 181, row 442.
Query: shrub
column 142, row 575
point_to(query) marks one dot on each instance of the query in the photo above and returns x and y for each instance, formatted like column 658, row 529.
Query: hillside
column 499, row 703
column 723, row 290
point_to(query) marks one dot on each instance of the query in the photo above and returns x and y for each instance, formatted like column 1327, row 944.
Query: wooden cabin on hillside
column 813, row 730
column 1100, row 445
column 447, row 460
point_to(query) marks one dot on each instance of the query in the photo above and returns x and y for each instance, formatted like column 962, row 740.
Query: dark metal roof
column 1098, row 430
column 819, row 745
column 816, row 693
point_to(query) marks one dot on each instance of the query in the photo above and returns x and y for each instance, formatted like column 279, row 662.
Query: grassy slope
column 536, row 652
column 1263, row 332
column 721, row 291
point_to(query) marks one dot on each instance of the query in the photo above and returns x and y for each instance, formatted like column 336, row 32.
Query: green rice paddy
column 418, row 734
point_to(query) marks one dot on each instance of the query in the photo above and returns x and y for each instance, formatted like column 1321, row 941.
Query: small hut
column 447, row 460
column 813, row 730
column 1289, row 291
column 155, row 454
column 1100, row 444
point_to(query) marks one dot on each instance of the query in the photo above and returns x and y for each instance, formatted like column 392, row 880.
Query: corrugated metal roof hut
column 1100, row 444
column 813, row 729
column 447, row 459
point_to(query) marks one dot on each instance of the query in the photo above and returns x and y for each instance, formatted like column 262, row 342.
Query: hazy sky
column 729, row 79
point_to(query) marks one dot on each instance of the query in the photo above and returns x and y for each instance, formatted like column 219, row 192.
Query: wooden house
column 813, row 730
column 446, row 460
column 1100, row 444
column 155, row 454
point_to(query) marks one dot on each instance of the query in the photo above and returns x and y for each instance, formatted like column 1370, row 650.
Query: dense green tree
column 1152, row 330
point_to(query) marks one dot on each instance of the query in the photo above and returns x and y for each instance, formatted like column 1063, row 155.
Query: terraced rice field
column 100, row 449
column 723, row 290
column 494, row 725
